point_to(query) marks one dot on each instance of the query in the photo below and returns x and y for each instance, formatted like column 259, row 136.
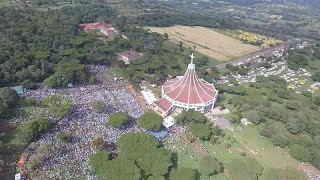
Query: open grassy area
column 246, row 141
column 206, row 41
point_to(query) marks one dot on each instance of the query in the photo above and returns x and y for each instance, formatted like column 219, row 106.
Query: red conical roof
column 189, row 89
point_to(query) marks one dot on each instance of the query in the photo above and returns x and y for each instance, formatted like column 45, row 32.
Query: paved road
column 252, row 56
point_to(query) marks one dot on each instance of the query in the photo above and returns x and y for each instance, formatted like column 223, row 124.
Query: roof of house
column 19, row 89
column 189, row 89
column 130, row 54
column 164, row 104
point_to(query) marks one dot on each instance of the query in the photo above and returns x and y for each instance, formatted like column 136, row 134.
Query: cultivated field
column 207, row 42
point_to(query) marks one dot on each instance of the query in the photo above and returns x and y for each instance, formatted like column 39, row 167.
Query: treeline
column 36, row 45
column 32, row 42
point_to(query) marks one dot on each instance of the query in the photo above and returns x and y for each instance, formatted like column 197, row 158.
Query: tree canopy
column 118, row 119
column 210, row 166
column 150, row 121
column 191, row 116
column 9, row 98
column 142, row 154
column 183, row 174
column 201, row 131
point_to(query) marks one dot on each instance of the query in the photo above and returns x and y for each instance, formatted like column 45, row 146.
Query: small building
column 19, row 89
column 164, row 106
column 104, row 28
column 128, row 56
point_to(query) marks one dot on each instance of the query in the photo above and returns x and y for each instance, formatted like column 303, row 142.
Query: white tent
column 149, row 97
column 168, row 121
column 17, row 176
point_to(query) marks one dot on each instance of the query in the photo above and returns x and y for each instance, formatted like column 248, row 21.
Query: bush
column 150, row 121
column 118, row 119
column 315, row 157
column 63, row 137
column 299, row 152
column 210, row 166
column 30, row 130
column 316, row 100
column 98, row 143
column 280, row 140
column 183, row 174
column 98, row 106
column 201, row 131
column 191, row 116
column 291, row 105
column 253, row 116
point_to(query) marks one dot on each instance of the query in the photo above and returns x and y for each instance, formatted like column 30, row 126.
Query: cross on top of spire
column 192, row 58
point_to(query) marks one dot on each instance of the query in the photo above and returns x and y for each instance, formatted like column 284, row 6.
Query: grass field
column 207, row 42
column 248, row 140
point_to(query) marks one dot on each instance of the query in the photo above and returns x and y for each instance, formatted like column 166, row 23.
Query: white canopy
column 168, row 121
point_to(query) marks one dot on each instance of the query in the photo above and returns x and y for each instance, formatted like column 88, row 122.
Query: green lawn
column 249, row 141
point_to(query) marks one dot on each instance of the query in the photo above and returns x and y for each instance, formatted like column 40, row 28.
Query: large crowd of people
column 70, row 159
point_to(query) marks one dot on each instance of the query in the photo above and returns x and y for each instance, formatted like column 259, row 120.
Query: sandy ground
column 207, row 42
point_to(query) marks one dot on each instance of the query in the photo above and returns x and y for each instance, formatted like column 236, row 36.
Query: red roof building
column 128, row 56
column 189, row 92
column 104, row 28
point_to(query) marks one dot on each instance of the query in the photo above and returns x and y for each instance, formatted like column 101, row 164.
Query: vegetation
column 150, row 121
column 98, row 106
column 31, row 129
column 191, row 117
column 9, row 99
column 98, row 143
column 139, row 157
column 63, row 137
column 118, row 119
column 201, row 131
column 183, row 174
column 210, row 166
column 245, row 168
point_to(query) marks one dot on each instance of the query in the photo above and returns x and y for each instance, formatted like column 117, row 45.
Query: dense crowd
column 70, row 159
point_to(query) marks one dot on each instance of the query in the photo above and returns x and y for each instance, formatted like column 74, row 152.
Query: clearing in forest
column 207, row 41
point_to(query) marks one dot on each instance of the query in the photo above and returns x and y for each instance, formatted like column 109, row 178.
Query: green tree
column 183, row 174
column 210, row 166
column 98, row 143
column 144, row 149
column 299, row 152
column 191, row 116
column 201, row 131
column 9, row 96
column 98, row 106
column 317, row 100
column 280, row 140
column 63, row 137
column 118, row 119
column 150, row 121
column 253, row 116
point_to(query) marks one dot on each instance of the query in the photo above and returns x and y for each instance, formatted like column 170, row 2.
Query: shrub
column 118, row 119
column 253, row 116
column 210, row 166
column 299, row 152
column 183, row 174
column 191, row 116
column 98, row 106
column 63, row 137
column 201, row 131
column 316, row 100
column 280, row 140
column 98, row 143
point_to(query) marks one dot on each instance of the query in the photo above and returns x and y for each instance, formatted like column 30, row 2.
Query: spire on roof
column 192, row 57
